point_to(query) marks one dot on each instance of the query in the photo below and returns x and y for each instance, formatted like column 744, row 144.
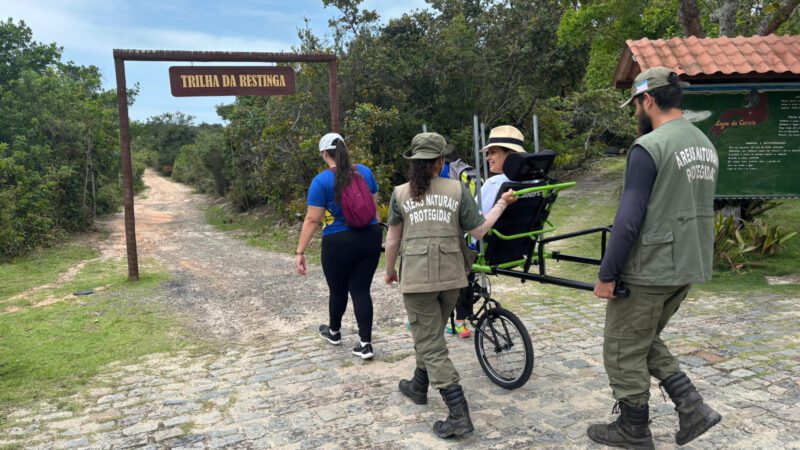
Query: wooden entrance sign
column 231, row 80
column 208, row 81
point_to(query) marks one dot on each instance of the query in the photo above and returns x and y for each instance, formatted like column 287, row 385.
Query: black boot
column 417, row 388
column 458, row 422
column 694, row 416
column 630, row 430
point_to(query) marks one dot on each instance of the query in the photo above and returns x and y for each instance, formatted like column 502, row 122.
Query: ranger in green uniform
column 428, row 217
column 662, row 242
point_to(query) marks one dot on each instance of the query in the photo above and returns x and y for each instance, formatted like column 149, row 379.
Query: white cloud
column 89, row 30
column 97, row 34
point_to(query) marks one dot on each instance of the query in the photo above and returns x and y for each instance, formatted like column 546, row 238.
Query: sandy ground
column 229, row 290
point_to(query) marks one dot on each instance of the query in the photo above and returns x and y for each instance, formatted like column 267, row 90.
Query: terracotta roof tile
column 740, row 55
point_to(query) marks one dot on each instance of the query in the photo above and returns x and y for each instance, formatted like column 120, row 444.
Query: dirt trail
column 228, row 290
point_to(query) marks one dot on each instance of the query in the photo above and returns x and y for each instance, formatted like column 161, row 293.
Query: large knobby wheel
column 504, row 348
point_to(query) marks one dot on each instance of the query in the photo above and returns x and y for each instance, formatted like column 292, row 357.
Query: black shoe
column 365, row 351
column 325, row 332
column 630, row 430
column 458, row 422
column 417, row 388
column 694, row 416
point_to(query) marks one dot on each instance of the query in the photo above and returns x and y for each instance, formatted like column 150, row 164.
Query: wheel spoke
column 503, row 346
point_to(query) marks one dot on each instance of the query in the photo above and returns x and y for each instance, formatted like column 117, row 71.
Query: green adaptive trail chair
column 512, row 248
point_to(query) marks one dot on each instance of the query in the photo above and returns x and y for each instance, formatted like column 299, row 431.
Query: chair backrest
column 528, row 213
column 528, row 166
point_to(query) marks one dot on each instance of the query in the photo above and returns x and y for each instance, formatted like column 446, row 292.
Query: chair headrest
column 528, row 166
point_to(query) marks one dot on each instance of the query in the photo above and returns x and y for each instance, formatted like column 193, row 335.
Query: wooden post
column 333, row 93
column 127, row 170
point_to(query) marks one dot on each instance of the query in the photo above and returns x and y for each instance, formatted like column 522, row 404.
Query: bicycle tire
column 501, row 323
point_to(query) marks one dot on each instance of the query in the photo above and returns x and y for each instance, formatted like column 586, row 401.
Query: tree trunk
column 726, row 16
column 94, row 196
column 86, row 173
column 771, row 23
column 689, row 15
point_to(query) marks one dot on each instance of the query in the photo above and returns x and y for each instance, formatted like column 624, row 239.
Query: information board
column 757, row 136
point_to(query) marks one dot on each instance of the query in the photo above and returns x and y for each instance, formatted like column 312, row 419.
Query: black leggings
column 349, row 260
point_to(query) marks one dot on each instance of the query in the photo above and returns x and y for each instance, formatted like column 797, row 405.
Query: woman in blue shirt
column 349, row 255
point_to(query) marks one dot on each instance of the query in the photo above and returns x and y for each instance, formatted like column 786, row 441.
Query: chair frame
column 538, row 256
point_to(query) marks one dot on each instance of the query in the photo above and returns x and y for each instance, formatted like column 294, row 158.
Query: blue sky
column 89, row 30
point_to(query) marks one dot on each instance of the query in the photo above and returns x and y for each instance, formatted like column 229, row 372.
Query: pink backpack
column 357, row 204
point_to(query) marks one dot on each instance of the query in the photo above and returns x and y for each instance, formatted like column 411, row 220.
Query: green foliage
column 583, row 124
column 58, row 144
column 202, row 163
column 603, row 26
column 161, row 138
column 20, row 52
column 739, row 244
column 433, row 68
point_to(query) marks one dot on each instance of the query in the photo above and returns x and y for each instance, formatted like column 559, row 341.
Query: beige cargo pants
column 428, row 314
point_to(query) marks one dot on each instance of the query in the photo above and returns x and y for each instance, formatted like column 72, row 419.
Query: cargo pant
column 428, row 314
column 632, row 347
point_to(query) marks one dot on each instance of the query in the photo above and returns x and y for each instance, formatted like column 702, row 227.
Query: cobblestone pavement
column 303, row 393
column 296, row 391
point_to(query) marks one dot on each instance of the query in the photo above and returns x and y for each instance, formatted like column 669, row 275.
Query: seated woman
column 502, row 140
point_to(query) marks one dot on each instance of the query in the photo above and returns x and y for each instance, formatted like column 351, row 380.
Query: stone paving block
column 741, row 373
column 55, row 415
column 167, row 434
column 143, row 427
column 75, row 443
column 128, row 442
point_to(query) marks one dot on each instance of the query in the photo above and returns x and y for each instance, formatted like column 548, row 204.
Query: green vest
column 676, row 242
column 430, row 251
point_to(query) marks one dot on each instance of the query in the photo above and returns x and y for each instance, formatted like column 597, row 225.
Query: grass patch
column 40, row 267
column 397, row 357
column 186, row 427
column 49, row 353
column 785, row 262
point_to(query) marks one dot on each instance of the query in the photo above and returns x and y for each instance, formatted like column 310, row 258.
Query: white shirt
column 489, row 191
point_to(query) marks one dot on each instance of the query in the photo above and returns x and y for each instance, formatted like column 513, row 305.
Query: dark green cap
column 650, row 79
column 427, row 146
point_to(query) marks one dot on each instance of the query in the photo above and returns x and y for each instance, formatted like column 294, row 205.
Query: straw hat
column 507, row 137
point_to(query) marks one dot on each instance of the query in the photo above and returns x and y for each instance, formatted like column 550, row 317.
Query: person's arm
column 393, row 237
column 494, row 213
column 377, row 209
column 310, row 224
column 639, row 180
column 488, row 194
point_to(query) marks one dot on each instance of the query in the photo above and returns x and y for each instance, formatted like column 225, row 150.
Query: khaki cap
column 650, row 79
column 427, row 146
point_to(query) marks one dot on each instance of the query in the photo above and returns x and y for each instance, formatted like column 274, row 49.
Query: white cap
column 326, row 143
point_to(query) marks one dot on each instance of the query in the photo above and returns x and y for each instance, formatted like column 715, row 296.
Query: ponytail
column 343, row 173
column 419, row 177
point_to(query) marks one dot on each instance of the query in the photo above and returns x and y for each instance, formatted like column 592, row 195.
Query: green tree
column 58, row 144
column 163, row 136
column 18, row 51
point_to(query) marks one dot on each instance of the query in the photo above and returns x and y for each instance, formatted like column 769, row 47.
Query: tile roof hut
column 745, row 95
column 713, row 60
